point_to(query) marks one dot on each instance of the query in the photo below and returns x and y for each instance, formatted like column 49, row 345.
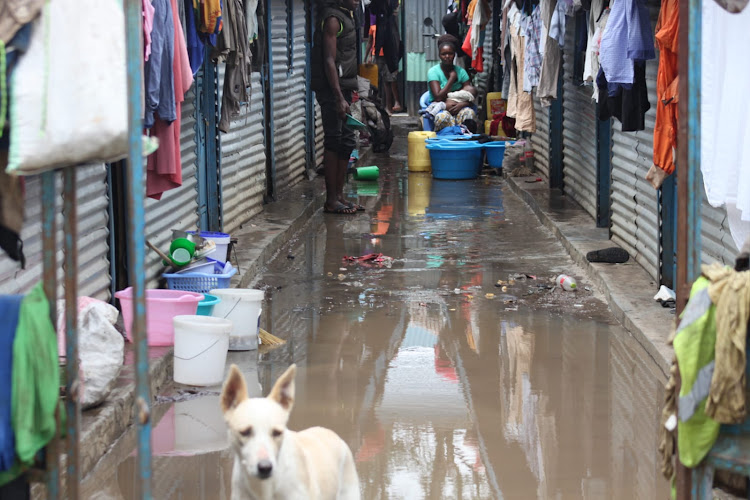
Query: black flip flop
column 340, row 209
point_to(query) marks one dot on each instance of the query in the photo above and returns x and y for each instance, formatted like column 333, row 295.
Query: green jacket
column 36, row 382
column 694, row 347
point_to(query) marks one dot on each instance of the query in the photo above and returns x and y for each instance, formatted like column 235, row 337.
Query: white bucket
column 243, row 307
column 200, row 349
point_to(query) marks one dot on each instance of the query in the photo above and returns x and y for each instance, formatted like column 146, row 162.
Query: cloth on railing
column 35, row 382
column 730, row 291
column 10, row 306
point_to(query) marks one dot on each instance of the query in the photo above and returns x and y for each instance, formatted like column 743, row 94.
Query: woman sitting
column 449, row 85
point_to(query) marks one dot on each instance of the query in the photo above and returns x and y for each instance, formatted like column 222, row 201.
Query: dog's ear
column 234, row 391
column 283, row 389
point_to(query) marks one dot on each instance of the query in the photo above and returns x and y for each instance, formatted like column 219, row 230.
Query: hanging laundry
column 251, row 14
column 195, row 41
column 595, row 15
column 158, row 70
column 209, row 12
column 628, row 38
column 148, row 26
column 234, row 49
column 10, row 306
column 667, row 81
column 164, row 167
column 596, row 49
column 725, row 130
column 520, row 103
column 532, row 31
column 627, row 103
column 36, row 381
column 553, row 32
column 15, row 14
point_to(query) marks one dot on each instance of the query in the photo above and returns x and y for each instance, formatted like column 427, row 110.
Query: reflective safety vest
column 694, row 347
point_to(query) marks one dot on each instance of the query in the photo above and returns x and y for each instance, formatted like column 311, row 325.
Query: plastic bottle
column 567, row 283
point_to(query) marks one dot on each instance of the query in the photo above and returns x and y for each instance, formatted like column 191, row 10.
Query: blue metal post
column 49, row 275
column 270, row 143
column 603, row 171
column 201, row 143
column 689, row 188
column 72, row 384
column 137, row 245
column 556, row 136
column 668, row 233
column 210, row 108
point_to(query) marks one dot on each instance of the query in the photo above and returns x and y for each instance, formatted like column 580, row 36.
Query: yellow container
column 369, row 71
column 495, row 104
column 418, row 198
column 419, row 157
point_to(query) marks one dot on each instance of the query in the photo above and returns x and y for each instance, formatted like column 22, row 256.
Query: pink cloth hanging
column 148, row 26
column 164, row 171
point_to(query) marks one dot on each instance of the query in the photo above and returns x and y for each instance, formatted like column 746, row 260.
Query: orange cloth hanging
column 667, row 80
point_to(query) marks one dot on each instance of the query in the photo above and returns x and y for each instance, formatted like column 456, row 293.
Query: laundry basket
column 202, row 282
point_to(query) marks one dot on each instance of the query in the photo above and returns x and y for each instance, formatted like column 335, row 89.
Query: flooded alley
column 450, row 365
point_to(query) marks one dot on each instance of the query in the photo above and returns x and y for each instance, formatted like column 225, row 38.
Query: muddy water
column 444, row 383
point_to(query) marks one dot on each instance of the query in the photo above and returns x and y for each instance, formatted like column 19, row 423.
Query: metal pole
column 49, row 277
column 72, row 408
column 689, row 186
column 137, row 244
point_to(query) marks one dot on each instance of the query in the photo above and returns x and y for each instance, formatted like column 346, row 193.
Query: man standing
column 388, row 78
column 334, row 78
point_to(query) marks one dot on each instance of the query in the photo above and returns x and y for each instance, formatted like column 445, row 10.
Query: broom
column 268, row 339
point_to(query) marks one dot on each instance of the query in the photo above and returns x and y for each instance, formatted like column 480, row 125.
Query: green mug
column 366, row 173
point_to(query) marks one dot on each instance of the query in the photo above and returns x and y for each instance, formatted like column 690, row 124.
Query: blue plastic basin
column 496, row 152
column 455, row 160
column 206, row 306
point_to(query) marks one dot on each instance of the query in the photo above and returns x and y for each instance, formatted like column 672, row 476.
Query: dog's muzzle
column 265, row 468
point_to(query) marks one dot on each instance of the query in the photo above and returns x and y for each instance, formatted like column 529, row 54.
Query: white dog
column 273, row 462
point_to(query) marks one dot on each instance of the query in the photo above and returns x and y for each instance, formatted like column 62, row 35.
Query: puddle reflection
column 439, row 392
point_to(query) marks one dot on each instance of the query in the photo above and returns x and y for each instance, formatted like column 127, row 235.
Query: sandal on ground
column 340, row 208
column 356, row 206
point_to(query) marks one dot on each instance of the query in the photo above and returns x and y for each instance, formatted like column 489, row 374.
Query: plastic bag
column 68, row 102
column 101, row 348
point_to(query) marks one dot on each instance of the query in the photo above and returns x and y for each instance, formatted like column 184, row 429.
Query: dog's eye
column 246, row 432
column 276, row 433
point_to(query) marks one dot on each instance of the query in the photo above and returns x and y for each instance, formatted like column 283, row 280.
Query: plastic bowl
column 455, row 160
column 161, row 307
column 496, row 152
column 206, row 306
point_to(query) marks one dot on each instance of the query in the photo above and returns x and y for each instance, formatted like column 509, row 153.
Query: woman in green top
column 445, row 78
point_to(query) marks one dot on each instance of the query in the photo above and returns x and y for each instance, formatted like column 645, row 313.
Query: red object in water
column 375, row 257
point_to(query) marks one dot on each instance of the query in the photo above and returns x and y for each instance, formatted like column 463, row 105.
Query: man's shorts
column 338, row 138
column 384, row 74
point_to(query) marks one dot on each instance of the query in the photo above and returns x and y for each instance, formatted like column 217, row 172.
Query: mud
column 448, row 374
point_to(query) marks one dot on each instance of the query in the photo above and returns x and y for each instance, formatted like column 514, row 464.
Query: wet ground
column 451, row 368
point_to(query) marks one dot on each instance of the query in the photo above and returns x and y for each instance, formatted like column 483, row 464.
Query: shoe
column 612, row 255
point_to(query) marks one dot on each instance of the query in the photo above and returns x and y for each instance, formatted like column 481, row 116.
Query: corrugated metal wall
column 416, row 11
column 540, row 138
column 93, row 234
column 178, row 208
column 288, row 92
column 579, row 133
column 717, row 244
column 243, row 160
column 635, row 205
